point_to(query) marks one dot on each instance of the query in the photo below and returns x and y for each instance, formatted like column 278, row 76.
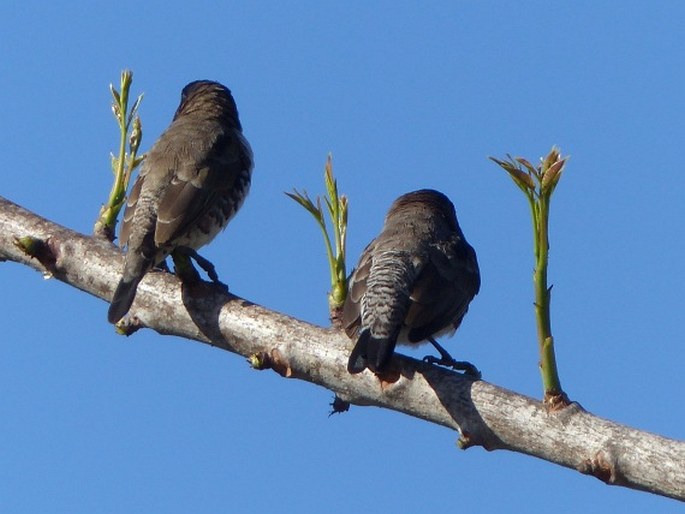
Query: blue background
column 405, row 96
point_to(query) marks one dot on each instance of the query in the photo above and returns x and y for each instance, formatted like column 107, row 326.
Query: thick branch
column 486, row 415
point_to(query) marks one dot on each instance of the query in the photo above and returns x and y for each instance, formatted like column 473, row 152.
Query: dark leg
column 207, row 266
column 447, row 360
column 183, row 257
column 183, row 267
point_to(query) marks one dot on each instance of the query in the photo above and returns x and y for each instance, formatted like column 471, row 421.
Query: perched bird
column 413, row 283
column 192, row 182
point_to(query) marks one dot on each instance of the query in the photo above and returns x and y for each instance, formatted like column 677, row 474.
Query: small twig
column 124, row 164
column 538, row 184
column 337, row 206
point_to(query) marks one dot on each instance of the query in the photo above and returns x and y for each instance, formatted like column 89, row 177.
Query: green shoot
column 538, row 184
column 336, row 207
column 124, row 164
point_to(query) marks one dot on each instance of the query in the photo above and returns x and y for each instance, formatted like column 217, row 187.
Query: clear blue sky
column 405, row 97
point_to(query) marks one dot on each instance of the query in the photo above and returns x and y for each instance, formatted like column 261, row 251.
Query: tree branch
column 486, row 415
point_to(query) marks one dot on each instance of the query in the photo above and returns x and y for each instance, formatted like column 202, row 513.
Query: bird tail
column 370, row 352
column 122, row 299
column 126, row 290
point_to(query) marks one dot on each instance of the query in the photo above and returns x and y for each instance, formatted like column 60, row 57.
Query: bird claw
column 208, row 267
column 205, row 264
column 468, row 368
column 447, row 361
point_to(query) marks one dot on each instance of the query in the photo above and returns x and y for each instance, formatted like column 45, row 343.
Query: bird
column 413, row 283
column 192, row 182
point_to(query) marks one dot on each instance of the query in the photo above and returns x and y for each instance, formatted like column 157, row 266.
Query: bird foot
column 468, row 368
column 447, row 361
column 207, row 266
column 183, row 257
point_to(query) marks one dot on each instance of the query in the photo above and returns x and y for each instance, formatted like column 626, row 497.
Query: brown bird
column 413, row 283
column 192, row 182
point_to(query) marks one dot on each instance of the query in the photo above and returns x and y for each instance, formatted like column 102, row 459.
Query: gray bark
column 484, row 414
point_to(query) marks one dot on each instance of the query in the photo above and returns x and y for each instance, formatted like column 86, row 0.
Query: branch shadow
column 454, row 391
column 203, row 302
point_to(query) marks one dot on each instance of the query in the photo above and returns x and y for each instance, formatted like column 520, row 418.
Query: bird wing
column 131, row 203
column 356, row 289
column 197, row 182
column 443, row 290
